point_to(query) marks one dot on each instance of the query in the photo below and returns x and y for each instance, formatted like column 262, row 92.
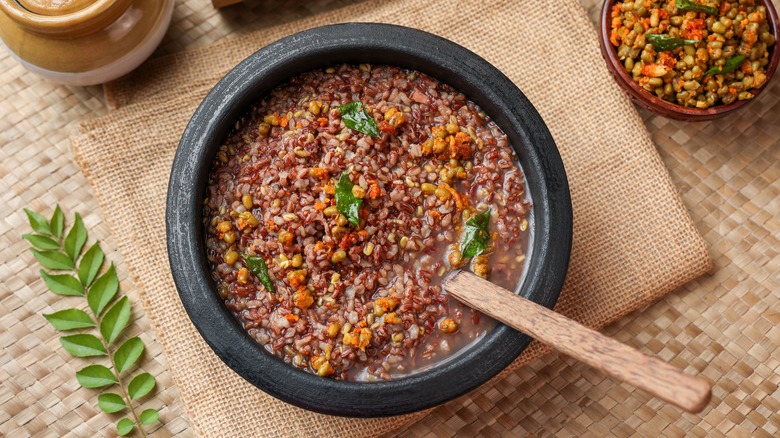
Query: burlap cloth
column 633, row 239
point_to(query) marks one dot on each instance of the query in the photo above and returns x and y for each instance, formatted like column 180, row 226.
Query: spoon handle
column 582, row 343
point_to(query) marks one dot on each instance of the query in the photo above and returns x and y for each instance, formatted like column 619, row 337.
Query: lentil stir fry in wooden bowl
column 324, row 188
column 690, row 59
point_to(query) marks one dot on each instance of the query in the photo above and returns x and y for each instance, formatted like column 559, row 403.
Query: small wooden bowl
column 650, row 101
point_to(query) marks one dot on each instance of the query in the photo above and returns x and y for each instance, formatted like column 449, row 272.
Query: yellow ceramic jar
column 83, row 42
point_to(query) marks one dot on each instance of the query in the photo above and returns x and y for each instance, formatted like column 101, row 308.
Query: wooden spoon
column 582, row 343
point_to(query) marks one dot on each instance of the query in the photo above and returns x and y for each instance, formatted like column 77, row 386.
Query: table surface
column 726, row 324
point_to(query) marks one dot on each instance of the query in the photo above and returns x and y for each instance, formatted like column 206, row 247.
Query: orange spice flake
column 394, row 117
column 319, row 172
column 385, row 304
column 760, row 79
column 302, row 298
column 615, row 12
column 749, row 38
column 358, row 338
column 374, row 191
column 364, row 338
column 667, row 60
column 459, row 145
column 285, row 237
column 693, row 29
column 392, row 318
column 349, row 240
column 614, row 37
column 654, row 70
column 296, row 278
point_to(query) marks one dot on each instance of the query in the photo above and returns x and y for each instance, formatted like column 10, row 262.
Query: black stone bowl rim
column 375, row 44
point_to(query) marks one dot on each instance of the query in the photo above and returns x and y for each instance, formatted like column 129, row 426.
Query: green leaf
column 95, row 376
column 110, row 403
column 666, row 42
column 38, row 222
column 75, row 239
column 257, row 265
column 103, row 290
column 53, row 260
column 476, row 236
column 83, row 345
column 730, row 65
column 347, row 203
column 69, row 319
column 689, row 5
column 90, row 264
column 149, row 416
column 355, row 117
column 41, row 242
column 62, row 284
column 124, row 426
column 141, row 385
column 128, row 353
column 115, row 320
column 57, row 222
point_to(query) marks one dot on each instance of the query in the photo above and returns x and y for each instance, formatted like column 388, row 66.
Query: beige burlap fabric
column 633, row 239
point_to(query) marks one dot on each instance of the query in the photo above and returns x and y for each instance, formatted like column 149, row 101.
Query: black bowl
column 376, row 44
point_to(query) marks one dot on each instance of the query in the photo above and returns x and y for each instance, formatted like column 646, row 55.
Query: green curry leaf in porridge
column 257, row 265
column 356, row 118
column 476, row 236
column 346, row 201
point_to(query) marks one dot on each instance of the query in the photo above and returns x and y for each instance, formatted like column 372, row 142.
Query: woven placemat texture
column 39, row 394
column 724, row 324
column 633, row 238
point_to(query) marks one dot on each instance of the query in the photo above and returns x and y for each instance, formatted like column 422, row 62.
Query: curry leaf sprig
column 667, row 42
column 690, row 5
column 97, row 332
column 730, row 65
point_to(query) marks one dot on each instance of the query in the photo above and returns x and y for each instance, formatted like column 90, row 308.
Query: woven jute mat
column 724, row 325
column 633, row 239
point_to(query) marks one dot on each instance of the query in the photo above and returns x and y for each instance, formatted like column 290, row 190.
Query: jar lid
column 64, row 18
column 55, row 7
